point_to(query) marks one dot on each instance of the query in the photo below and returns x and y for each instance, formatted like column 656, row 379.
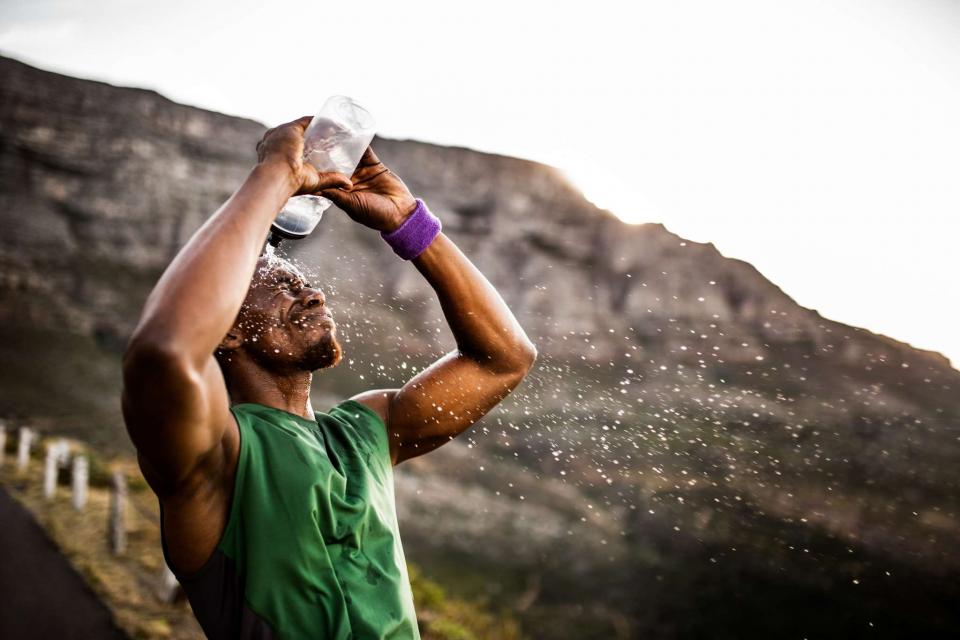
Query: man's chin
column 325, row 355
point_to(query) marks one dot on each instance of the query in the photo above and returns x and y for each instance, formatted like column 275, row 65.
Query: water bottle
column 335, row 141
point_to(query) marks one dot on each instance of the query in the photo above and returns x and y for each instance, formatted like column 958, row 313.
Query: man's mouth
column 307, row 318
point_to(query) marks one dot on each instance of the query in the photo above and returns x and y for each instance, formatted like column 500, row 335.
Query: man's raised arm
column 493, row 352
column 175, row 401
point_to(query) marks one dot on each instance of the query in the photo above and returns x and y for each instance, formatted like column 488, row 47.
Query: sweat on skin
column 220, row 366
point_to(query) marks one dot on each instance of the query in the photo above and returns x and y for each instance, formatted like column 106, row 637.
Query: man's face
column 284, row 323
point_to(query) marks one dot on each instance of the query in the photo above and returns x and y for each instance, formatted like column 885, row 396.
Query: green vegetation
column 443, row 617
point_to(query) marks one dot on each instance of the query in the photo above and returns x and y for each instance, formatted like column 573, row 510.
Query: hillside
column 692, row 449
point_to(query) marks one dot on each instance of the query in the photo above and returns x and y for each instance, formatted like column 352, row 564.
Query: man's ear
column 233, row 340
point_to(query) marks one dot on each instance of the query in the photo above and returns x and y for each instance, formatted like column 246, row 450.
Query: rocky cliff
column 682, row 406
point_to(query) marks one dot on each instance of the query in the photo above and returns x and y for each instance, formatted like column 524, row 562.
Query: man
column 278, row 521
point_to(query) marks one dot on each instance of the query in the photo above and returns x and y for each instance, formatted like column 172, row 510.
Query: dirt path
column 41, row 596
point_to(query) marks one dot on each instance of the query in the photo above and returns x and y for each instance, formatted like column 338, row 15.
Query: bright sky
column 817, row 139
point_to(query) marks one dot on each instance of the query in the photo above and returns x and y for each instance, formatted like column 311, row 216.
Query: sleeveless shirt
column 311, row 548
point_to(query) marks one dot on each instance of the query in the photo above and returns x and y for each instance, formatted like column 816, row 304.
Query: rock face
column 682, row 404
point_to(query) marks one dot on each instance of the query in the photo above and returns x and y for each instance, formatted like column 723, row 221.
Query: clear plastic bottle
column 335, row 141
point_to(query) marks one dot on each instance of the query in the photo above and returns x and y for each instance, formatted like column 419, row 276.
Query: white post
column 24, row 442
column 168, row 587
column 80, row 478
column 117, row 526
column 3, row 441
column 63, row 453
column 50, row 471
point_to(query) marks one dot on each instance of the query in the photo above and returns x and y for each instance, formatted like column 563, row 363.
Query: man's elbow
column 516, row 360
column 526, row 357
column 532, row 353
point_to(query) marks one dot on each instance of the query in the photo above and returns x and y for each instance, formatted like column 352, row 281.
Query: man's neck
column 288, row 392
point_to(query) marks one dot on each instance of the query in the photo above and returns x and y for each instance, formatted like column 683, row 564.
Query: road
column 41, row 596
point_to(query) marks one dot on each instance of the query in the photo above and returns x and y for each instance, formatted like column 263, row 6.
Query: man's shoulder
column 376, row 404
column 377, row 400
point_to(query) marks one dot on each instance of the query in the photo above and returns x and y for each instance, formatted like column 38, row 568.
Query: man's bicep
column 439, row 402
column 175, row 414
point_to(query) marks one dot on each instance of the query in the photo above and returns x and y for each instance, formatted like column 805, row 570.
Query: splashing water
column 271, row 251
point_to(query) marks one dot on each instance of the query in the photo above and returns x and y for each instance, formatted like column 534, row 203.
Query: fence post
column 63, row 453
column 58, row 453
column 169, row 587
column 80, row 478
column 117, row 526
column 50, row 470
column 24, row 441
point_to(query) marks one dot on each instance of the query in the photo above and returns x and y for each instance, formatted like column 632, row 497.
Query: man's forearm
column 199, row 295
column 483, row 326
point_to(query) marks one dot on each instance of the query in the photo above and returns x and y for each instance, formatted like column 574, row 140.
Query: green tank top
column 311, row 548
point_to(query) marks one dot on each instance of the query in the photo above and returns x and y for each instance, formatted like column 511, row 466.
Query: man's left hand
column 378, row 198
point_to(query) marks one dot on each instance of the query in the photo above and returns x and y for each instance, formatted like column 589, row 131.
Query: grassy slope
column 128, row 584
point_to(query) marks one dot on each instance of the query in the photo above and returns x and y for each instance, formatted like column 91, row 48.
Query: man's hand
column 377, row 199
column 283, row 146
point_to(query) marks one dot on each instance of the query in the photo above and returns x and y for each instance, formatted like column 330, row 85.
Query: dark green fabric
column 313, row 527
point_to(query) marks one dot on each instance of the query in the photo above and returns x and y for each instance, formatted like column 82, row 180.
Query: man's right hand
column 283, row 146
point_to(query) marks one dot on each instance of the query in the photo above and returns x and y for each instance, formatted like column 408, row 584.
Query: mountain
column 692, row 449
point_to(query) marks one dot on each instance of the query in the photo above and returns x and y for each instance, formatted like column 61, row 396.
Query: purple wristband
column 415, row 234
